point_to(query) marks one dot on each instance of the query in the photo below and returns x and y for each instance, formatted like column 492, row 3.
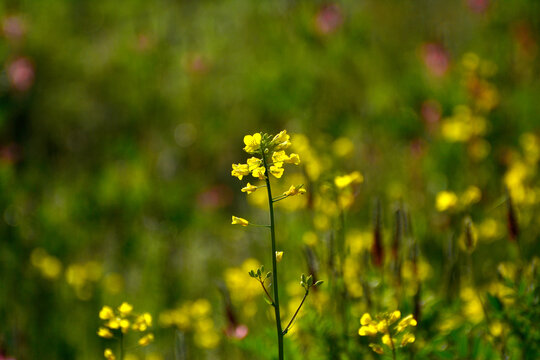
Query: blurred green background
column 119, row 122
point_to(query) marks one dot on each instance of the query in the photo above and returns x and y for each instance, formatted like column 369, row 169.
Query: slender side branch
column 296, row 313
column 267, row 294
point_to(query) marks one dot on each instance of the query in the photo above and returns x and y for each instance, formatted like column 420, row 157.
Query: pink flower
column 21, row 74
column 435, row 58
column 13, row 27
column 328, row 19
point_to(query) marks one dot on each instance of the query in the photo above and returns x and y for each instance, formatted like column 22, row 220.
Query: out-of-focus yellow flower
column 471, row 195
column 295, row 190
column 200, row 308
column 405, row 323
column 368, row 330
column 366, row 319
column 445, row 200
column 104, row 333
column 310, row 238
column 240, row 170
column 489, row 229
column 407, row 339
column 343, row 147
column 146, row 339
column 109, row 354
column 353, row 178
column 49, row 266
column 249, row 188
column 377, row 348
column 239, row 221
column 113, row 323
column 396, row 315
column 253, row 143
column 472, row 308
column 279, row 256
column 142, row 322
column 496, row 328
column 124, row 325
column 125, row 308
column 113, row 283
column 106, row 313
column 382, row 326
column 386, row 340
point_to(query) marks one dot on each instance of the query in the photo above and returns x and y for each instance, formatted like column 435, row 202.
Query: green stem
column 391, row 341
column 296, row 313
column 121, row 345
column 274, row 261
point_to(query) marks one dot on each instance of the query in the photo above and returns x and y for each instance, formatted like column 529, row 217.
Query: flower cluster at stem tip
column 118, row 322
column 387, row 326
column 268, row 156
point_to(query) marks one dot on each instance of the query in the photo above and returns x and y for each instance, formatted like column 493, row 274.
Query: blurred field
column 119, row 123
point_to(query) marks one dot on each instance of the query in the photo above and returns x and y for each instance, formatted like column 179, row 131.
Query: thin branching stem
column 296, row 313
column 267, row 294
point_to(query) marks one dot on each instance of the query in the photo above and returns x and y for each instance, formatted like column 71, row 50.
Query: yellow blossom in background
column 407, row 339
column 106, row 313
column 279, row 256
column 405, row 323
column 346, row 180
column 343, row 147
column 109, row 354
column 471, row 195
column 249, row 189
column 49, row 266
column 445, row 200
column 472, row 308
column 377, row 348
column 104, row 333
column 239, row 221
column 146, row 340
column 489, row 229
column 125, row 308
column 252, row 142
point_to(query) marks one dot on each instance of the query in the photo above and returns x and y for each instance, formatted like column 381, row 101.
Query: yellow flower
column 114, row 323
column 407, row 339
column 146, row 339
column 353, row 178
column 295, row 190
column 125, row 308
column 258, row 172
column 278, row 157
column 445, row 200
column 104, row 333
column 124, row 324
column 386, row 340
column 366, row 319
column 249, row 188
column 406, row 322
column 239, row 221
column 276, row 171
column 109, row 354
column 253, row 143
column 281, row 141
column 396, row 315
column 240, row 170
column 382, row 326
column 253, row 163
column 106, row 313
column 369, row 330
column 279, row 256
column 377, row 348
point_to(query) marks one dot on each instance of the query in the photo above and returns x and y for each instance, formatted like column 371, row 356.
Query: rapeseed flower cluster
column 118, row 322
column 269, row 156
column 392, row 332
column 195, row 317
